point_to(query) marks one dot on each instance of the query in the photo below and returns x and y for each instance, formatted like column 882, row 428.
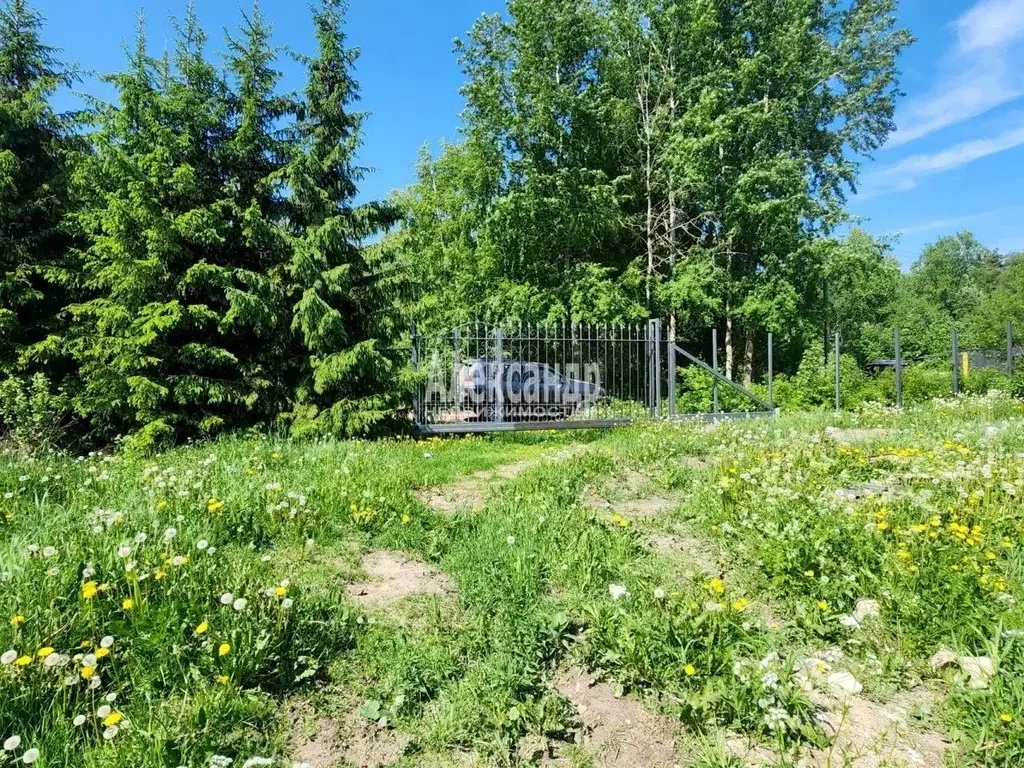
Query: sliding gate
column 484, row 378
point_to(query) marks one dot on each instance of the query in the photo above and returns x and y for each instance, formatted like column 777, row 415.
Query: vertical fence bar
column 839, row 397
column 714, row 365
column 414, row 338
column 655, row 331
column 956, row 364
column 899, row 368
column 499, row 377
column 650, row 365
column 771, row 370
column 671, row 378
column 1009, row 349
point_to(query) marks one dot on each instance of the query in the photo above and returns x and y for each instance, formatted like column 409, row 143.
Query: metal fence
column 481, row 378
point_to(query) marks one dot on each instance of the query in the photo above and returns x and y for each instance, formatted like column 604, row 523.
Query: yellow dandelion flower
column 281, row 591
column 991, row 556
column 42, row 653
column 201, row 629
column 822, row 605
column 740, row 604
column 127, row 604
column 101, row 653
column 23, row 661
column 224, row 650
column 690, row 670
column 809, row 574
column 159, row 575
column 406, row 518
column 161, row 504
column 89, row 590
column 1006, row 717
column 87, row 673
column 16, row 620
column 222, row 679
column 214, row 505
column 716, row 586
column 112, row 719
column 882, row 526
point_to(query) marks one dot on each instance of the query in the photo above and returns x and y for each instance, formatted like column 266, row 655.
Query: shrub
column 32, row 416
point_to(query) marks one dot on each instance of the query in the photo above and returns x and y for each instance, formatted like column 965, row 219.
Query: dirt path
column 394, row 576
column 470, row 492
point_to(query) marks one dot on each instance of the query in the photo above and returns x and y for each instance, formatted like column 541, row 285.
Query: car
column 529, row 391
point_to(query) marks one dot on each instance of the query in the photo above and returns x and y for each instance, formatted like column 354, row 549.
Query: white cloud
column 906, row 174
column 984, row 70
column 959, row 221
column 990, row 23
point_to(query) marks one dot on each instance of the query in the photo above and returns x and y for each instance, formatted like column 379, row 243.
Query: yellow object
column 965, row 364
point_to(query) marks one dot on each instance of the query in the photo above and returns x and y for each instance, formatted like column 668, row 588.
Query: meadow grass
column 177, row 610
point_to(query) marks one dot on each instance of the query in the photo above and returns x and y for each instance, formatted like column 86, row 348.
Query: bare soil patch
column 617, row 732
column 327, row 742
column 857, row 435
column 394, row 576
column 696, row 555
column 867, row 734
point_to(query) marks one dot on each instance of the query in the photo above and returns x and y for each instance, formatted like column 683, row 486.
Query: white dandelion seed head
column 110, row 732
column 8, row 657
column 103, row 711
column 107, row 641
column 111, row 698
column 140, row 538
column 79, row 720
column 30, row 756
column 239, row 604
column 202, row 544
column 49, row 551
column 511, row 540
column 659, row 594
column 254, row 762
column 170, row 533
column 287, row 603
column 617, row 591
column 227, row 598
column 95, row 682
column 125, row 550
column 12, row 743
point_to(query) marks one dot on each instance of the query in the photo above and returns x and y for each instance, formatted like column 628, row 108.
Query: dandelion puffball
column 617, row 591
column 227, row 598
column 12, row 743
column 107, row 641
column 239, row 604
column 30, row 756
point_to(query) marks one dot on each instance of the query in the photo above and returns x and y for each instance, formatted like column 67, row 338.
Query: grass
column 180, row 610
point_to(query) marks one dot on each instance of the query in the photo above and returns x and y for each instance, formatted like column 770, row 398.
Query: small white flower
column 12, row 743
column 103, row 711
column 49, row 551
column 110, row 732
column 170, row 533
column 212, row 551
column 659, row 594
column 55, row 660
column 617, row 591
column 140, row 538
column 227, row 598
column 239, row 604
column 107, row 641
column 178, row 560
column 202, row 544
column 8, row 657
column 89, row 660
column 111, row 698
column 511, row 540
column 95, row 682
column 30, row 756
column 287, row 603
column 125, row 550
column 79, row 720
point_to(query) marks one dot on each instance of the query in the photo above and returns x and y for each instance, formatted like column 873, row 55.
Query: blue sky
column 957, row 160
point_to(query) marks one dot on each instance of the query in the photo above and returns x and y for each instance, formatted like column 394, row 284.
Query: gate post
column 899, row 368
column 499, row 378
column 672, row 378
column 1009, row 349
column 771, row 370
column 956, row 365
column 414, row 338
column 654, row 331
column 714, row 364
column 839, row 399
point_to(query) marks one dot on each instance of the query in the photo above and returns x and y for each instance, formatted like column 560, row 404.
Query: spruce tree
column 340, row 312
column 155, row 344
column 38, row 148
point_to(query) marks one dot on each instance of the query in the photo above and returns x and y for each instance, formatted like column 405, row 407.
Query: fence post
column 656, row 332
column 499, row 378
column 899, row 368
column 672, row 378
column 839, row 399
column 414, row 338
column 1009, row 348
column 956, row 364
column 714, row 364
column 771, row 370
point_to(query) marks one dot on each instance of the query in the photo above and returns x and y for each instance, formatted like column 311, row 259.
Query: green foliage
column 32, row 415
